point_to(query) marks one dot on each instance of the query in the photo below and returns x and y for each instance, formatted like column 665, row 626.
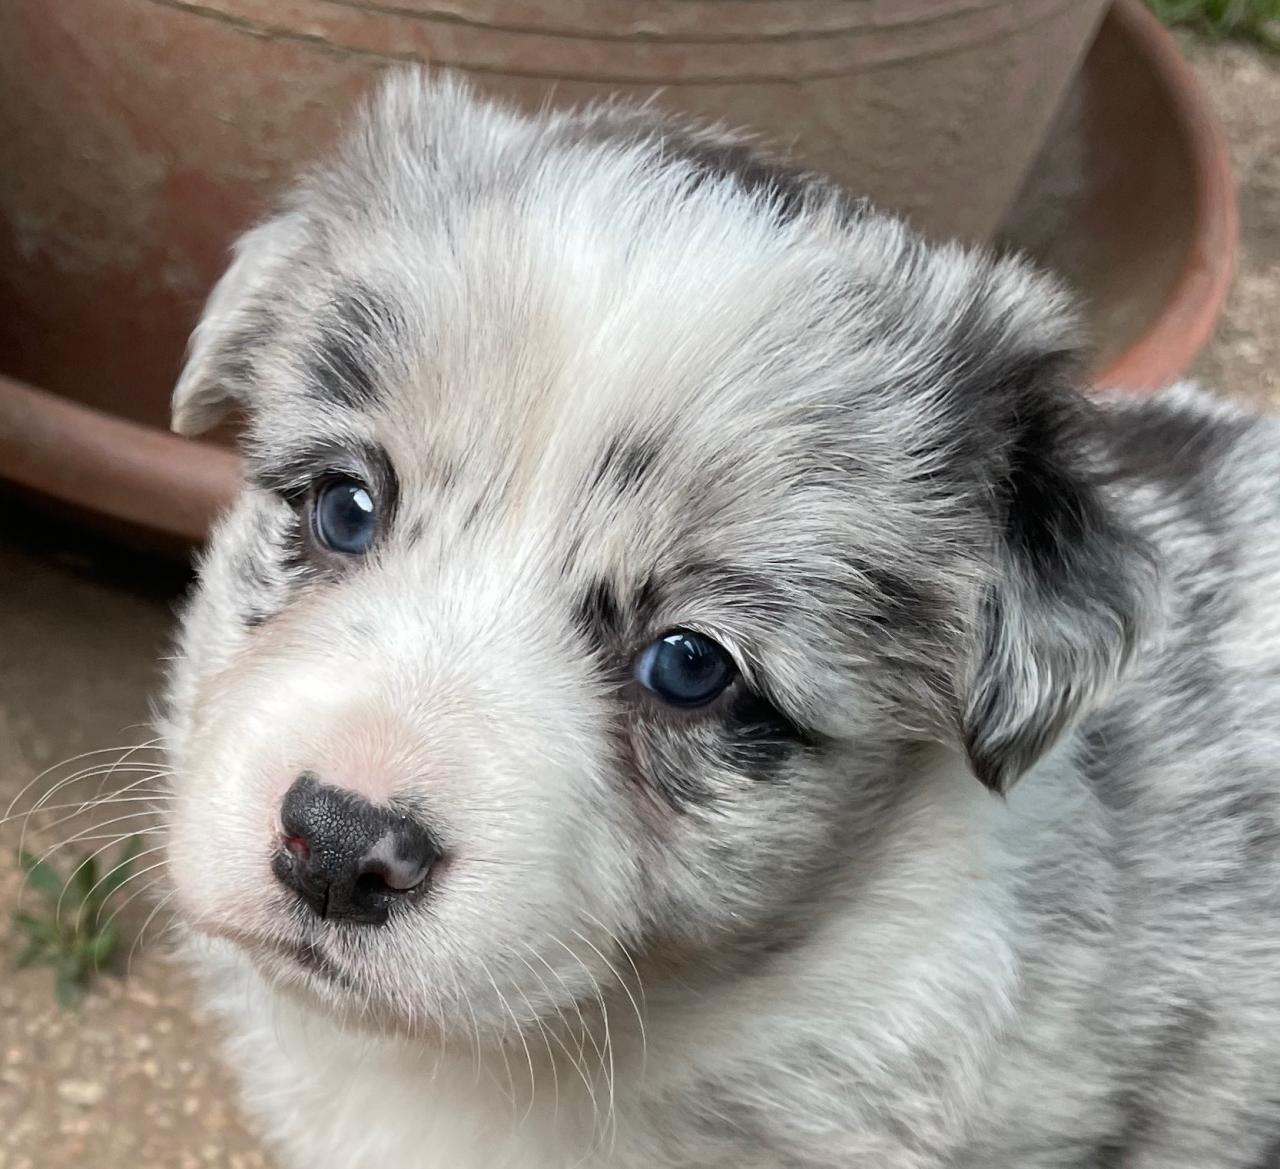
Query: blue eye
column 344, row 519
column 684, row 669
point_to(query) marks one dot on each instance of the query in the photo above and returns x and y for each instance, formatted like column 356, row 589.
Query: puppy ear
column 1072, row 586
column 214, row 377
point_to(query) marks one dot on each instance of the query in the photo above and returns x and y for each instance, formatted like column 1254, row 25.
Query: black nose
column 348, row 859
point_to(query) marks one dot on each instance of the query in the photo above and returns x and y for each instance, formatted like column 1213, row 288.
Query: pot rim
column 1164, row 350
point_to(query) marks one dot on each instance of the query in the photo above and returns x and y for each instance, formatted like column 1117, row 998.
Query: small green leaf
column 74, row 964
column 41, row 875
column 35, row 953
column 102, row 945
column 83, row 880
column 36, row 927
column 1247, row 20
column 119, row 873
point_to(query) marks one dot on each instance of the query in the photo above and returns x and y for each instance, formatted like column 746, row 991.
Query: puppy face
column 622, row 516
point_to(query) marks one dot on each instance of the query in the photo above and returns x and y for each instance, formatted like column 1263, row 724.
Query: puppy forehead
column 551, row 360
column 548, row 333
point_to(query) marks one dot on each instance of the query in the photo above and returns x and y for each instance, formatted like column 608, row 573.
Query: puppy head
column 622, row 514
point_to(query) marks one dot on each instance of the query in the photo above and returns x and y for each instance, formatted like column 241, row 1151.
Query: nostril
column 372, row 885
column 298, row 846
column 368, row 883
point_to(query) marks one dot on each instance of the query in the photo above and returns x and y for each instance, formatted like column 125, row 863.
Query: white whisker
column 41, row 803
column 607, row 1059
column 502, row 1047
column 13, row 803
column 133, row 877
column 137, row 942
column 644, row 1049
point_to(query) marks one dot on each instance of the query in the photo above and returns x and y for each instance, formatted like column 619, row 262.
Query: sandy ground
column 131, row 1080
column 1244, row 357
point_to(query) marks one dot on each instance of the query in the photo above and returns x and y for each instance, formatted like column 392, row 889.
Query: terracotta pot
column 1132, row 200
column 137, row 137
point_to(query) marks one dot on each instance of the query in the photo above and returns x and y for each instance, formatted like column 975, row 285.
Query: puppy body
column 606, row 378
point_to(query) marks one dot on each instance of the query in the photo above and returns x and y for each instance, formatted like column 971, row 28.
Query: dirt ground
column 131, row 1080
column 1244, row 357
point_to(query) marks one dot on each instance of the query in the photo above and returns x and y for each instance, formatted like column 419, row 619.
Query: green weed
column 1246, row 20
column 67, row 930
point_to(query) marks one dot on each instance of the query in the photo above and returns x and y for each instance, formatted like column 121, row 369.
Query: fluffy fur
column 974, row 866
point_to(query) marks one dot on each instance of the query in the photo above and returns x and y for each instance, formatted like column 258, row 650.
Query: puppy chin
column 312, row 978
column 303, row 968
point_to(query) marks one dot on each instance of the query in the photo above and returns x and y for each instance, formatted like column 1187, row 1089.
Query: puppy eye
column 685, row 669
column 344, row 518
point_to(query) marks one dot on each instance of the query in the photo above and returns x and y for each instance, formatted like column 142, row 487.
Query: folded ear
column 1072, row 586
column 213, row 378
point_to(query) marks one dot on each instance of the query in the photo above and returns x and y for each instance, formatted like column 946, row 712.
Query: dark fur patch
column 670, row 750
column 267, row 571
column 598, row 616
column 1184, row 452
column 787, row 190
column 261, row 591
column 1116, row 1151
column 1257, row 816
column 296, row 553
column 898, row 606
column 340, row 366
column 625, row 464
column 758, row 738
column 1268, row 1157
column 1173, row 447
column 291, row 474
column 735, row 591
column 1173, row 1051
column 1048, row 511
column 673, row 774
column 729, row 583
column 1068, row 593
column 572, row 553
column 647, row 598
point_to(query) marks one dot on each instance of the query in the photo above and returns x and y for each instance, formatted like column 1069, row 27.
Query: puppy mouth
column 310, row 957
column 286, row 961
column 281, row 956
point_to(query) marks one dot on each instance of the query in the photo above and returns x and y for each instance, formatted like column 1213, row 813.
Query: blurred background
column 1133, row 147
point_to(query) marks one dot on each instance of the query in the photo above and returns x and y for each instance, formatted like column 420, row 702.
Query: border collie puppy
column 690, row 684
